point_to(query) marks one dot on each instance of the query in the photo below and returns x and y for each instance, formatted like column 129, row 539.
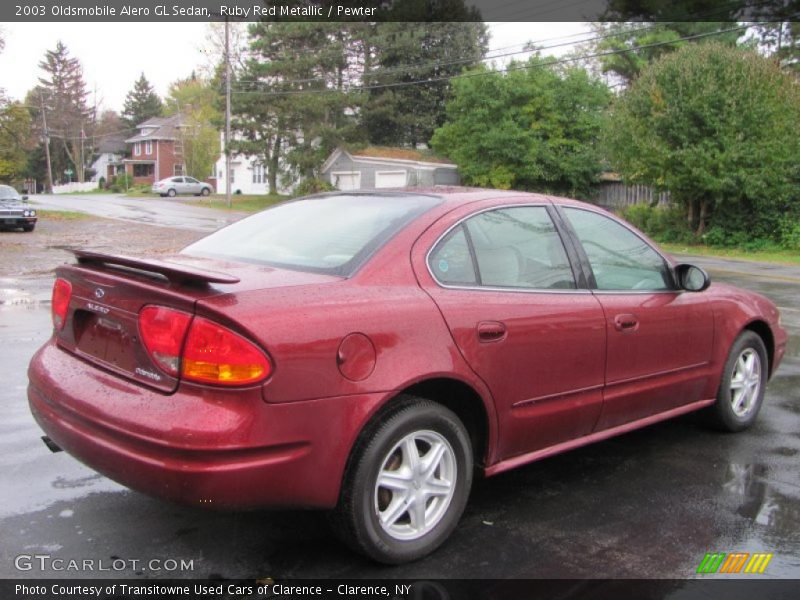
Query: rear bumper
column 194, row 446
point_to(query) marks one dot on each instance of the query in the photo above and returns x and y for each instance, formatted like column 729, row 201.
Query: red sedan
column 368, row 352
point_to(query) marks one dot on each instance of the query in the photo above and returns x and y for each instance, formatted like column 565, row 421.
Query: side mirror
column 691, row 278
column 24, row 198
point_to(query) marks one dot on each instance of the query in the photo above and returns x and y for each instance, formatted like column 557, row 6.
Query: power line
column 506, row 70
column 437, row 64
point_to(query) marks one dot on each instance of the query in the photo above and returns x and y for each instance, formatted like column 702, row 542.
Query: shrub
column 313, row 185
column 121, row 183
column 660, row 223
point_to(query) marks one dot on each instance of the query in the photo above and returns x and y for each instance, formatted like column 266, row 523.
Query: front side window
column 516, row 247
column 620, row 259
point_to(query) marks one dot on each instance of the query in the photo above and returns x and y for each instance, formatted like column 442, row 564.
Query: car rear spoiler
column 174, row 272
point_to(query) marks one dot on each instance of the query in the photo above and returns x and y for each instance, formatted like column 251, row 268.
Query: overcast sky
column 113, row 54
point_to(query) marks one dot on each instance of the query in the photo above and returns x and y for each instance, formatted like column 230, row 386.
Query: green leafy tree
column 717, row 127
column 141, row 103
column 532, row 128
column 197, row 100
column 15, row 141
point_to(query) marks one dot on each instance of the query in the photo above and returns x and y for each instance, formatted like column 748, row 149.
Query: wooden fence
column 617, row 195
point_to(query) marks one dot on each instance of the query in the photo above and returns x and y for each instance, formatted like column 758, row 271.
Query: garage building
column 377, row 167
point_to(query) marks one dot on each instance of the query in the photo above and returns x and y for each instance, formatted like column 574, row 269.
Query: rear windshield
column 326, row 234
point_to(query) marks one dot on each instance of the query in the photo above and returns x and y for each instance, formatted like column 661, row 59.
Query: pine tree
column 292, row 106
column 141, row 103
column 405, row 53
column 70, row 120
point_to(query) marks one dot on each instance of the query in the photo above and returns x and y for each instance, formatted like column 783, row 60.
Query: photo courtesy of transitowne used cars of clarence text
column 370, row 353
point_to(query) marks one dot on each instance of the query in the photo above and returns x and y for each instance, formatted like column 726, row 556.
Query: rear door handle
column 491, row 331
column 626, row 322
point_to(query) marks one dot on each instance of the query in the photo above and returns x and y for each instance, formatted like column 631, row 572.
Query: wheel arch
column 762, row 329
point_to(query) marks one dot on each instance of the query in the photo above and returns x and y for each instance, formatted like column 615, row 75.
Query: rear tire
column 407, row 482
column 744, row 380
column 171, row 193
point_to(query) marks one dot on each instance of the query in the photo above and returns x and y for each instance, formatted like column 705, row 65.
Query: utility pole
column 227, row 113
column 49, row 188
column 80, row 169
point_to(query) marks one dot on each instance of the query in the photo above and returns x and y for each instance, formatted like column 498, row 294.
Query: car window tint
column 620, row 259
column 177, row 180
column 191, row 180
column 520, row 248
column 451, row 262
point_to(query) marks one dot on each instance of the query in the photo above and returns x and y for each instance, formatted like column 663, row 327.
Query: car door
column 192, row 185
column 505, row 284
column 659, row 337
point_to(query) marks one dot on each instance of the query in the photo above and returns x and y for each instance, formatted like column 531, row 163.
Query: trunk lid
column 109, row 291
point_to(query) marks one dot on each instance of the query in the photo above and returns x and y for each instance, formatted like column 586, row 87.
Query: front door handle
column 626, row 323
column 491, row 331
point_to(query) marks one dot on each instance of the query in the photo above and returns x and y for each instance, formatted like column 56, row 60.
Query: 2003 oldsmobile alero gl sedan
column 368, row 352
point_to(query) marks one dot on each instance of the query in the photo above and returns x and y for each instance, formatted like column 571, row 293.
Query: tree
column 292, row 106
column 70, row 120
column 533, row 128
column 196, row 100
column 141, row 103
column 404, row 53
column 717, row 127
column 15, row 140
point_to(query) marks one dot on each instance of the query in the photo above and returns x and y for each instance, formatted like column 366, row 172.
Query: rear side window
column 515, row 247
column 327, row 234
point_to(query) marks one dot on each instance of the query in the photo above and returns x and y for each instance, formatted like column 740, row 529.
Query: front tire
column 28, row 228
column 205, row 192
column 407, row 483
column 744, row 380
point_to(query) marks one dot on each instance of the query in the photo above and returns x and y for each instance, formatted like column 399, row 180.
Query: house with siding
column 156, row 151
column 377, row 167
column 108, row 161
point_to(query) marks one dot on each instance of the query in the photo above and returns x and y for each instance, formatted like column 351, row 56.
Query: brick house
column 156, row 152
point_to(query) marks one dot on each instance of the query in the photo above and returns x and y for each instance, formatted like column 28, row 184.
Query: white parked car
column 172, row 186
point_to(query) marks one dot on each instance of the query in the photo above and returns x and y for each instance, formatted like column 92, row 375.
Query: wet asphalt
column 648, row 504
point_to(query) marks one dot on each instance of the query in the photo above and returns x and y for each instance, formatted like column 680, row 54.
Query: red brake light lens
column 62, row 292
column 163, row 331
column 211, row 353
column 214, row 354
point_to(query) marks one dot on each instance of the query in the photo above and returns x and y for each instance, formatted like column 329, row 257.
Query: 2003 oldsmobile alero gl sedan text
column 368, row 352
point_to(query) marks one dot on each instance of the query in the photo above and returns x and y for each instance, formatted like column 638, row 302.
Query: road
column 145, row 211
column 649, row 504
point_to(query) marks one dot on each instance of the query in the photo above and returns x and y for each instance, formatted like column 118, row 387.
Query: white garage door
column 346, row 180
column 390, row 179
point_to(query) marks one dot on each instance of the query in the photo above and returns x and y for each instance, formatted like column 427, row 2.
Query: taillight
column 210, row 354
column 163, row 331
column 214, row 354
column 62, row 292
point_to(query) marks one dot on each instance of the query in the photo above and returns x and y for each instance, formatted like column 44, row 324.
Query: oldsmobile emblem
column 99, row 293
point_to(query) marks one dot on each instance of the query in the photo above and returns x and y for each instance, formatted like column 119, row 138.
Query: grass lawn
column 785, row 257
column 240, row 202
column 62, row 215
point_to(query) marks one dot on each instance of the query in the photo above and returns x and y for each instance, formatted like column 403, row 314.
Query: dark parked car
column 14, row 213
column 368, row 352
